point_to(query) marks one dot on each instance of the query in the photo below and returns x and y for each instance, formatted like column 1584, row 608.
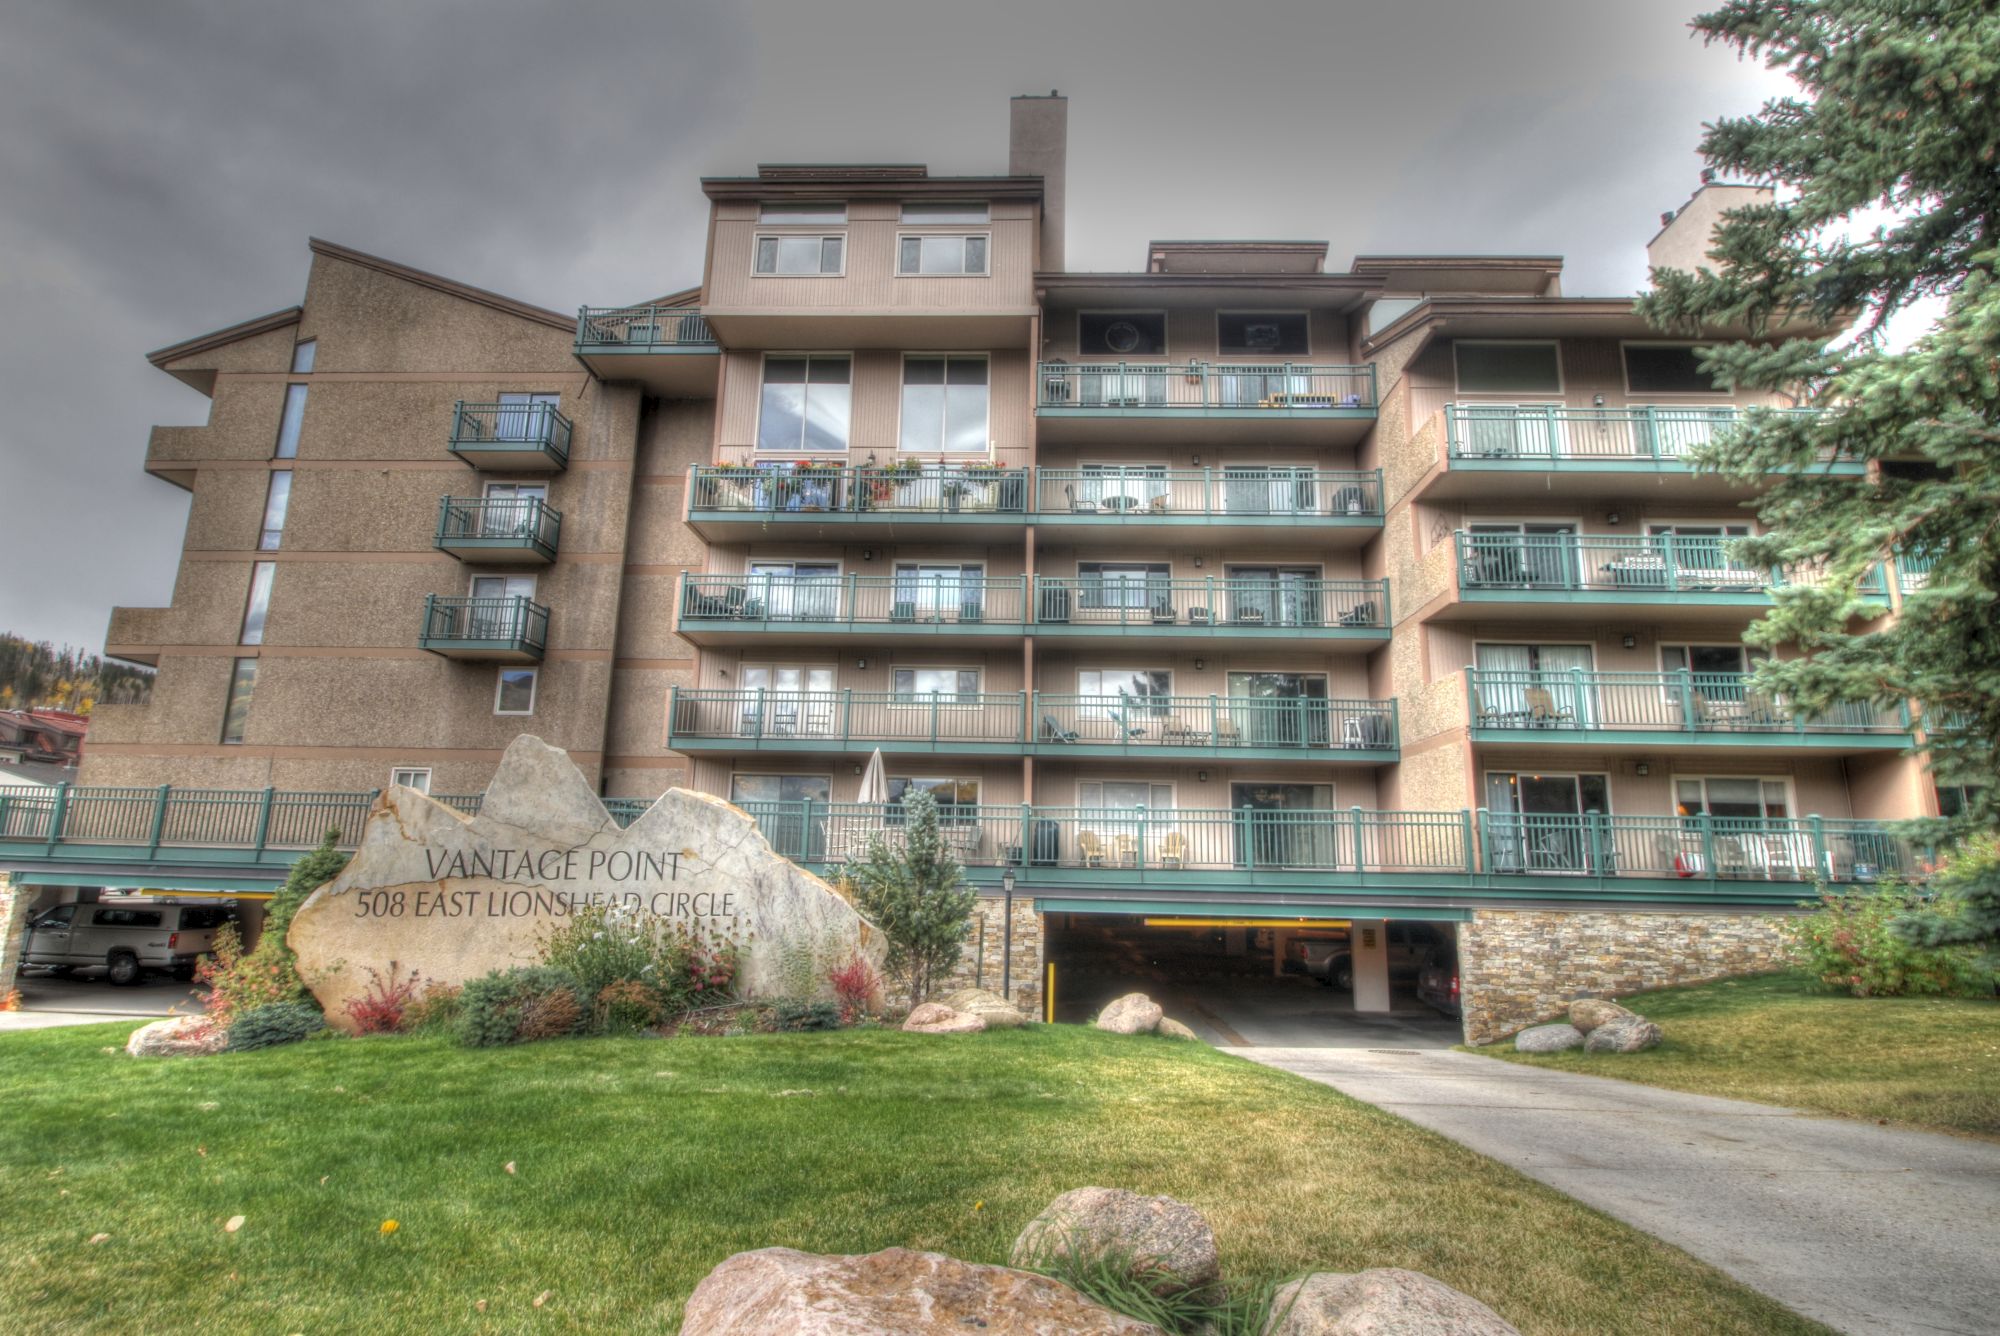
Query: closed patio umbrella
column 874, row 781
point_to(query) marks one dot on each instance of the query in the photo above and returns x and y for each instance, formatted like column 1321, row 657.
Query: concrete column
column 1370, row 946
column 1280, row 939
column 14, row 902
column 1235, row 941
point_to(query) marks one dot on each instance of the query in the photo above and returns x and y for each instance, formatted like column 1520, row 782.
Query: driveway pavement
column 1865, row 1228
column 84, row 998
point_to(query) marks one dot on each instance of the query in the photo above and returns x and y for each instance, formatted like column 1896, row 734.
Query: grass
column 1924, row 1062
column 642, row 1163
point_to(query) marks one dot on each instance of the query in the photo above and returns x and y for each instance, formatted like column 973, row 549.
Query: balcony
column 1685, row 713
column 1515, row 575
column 935, row 609
column 512, row 531
column 1163, row 611
column 1359, row 732
column 1292, row 403
column 1695, row 848
column 1244, row 503
column 668, row 349
column 487, row 630
column 511, row 438
column 974, row 502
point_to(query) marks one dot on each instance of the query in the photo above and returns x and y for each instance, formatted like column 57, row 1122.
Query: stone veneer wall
column 1517, row 967
column 982, row 969
column 14, row 902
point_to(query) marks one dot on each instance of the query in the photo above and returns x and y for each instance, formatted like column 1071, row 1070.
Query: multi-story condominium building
column 1228, row 588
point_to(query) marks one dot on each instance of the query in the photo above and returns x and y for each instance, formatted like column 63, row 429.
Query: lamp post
column 1007, row 934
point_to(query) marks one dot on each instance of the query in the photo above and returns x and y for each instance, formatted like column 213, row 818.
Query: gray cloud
column 162, row 163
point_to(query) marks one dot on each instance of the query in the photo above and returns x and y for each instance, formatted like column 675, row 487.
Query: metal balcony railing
column 1551, row 432
column 1654, row 564
column 1170, row 387
column 601, row 327
column 1219, row 723
column 491, row 429
column 1140, row 494
column 1232, row 601
column 1718, row 705
column 1699, row 847
column 858, row 717
column 515, row 624
column 938, row 489
column 913, row 598
column 499, row 523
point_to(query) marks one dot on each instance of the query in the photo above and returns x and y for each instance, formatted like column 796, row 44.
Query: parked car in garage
column 1437, row 985
column 1411, row 947
column 127, row 939
column 1313, row 955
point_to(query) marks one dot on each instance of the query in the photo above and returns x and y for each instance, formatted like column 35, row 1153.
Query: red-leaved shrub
column 381, row 1010
column 856, row 985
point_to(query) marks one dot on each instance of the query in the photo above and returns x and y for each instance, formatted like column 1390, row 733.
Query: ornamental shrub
column 625, row 1007
column 273, row 1024
column 435, row 1009
column 856, row 986
column 790, row 1015
column 240, row 980
column 381, row 1009
column 517, row 1005
column 601, row 945
column 1848, row 946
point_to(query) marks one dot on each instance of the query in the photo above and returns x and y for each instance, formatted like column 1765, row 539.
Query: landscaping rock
column 1386, row 1301
column 937, row 1018
column 1167, row 1239
column 995, row 1010
column 1134, row 1013
column 1587, row 1013
column 1173, row 1029
column 176, row 1037
column 784, row 1292
column 1626, row 1034
column 1548, row 1038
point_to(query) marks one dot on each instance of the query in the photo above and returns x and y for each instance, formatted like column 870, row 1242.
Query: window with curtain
column 1535, row 684
column 1113, row 584
column 944, row 683
column 1731, row 799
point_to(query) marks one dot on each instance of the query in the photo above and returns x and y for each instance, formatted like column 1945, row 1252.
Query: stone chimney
column 1038, row 145
column 1685, row 233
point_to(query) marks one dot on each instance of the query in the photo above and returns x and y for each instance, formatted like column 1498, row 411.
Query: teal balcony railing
column 936, row 489
column 1913, row 571
column 514, row 627
column 499, row 528
column 1230, row 602
column 1261, row 726
column 1699, row 847
column 599, row 328
column 510, row 435
column 1273, row 492
column 1547, row 435
column 915, row 599
column 1177, row 387
column 1722, row 707
column 1621, row 563
column 835, row 719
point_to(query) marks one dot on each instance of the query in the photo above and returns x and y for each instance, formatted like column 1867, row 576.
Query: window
column 1112, row 693
column 235, row 715
column 302, row 356
column 813, row 213
column 511, row 509
column 1119, row 794
column 1731, row 798
column 525, row 416
column 1536, row 821
column 288, row 425
column 1654, row 368
column 126, row 918
column 779, row 788
column 938, row 591
column 1114, row 584
column 800, row 255
column 258, row 607
column 805, row 404
column 1508, row 368
column 946, row 683
column 1953, row 799
column 1121, row 334
column 1120, row 487
column 277, row 499
column 944, row 404
column 941, row 254
column 1257, row 334
column 514, row 692
column 1710, row 660
column 411, row 777
column 807, row 591
column 957, row 799
column 944, row 211
column 786, row 700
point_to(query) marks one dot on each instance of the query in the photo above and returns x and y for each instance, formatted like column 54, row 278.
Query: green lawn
column 642, row 1163
column 1918, row 1061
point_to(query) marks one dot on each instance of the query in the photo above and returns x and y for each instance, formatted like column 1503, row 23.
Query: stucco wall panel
column 367, row 320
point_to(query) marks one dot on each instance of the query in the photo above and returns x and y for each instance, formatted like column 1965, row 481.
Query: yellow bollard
column 1049, row 996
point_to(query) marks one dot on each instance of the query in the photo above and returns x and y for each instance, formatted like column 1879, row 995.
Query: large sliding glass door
column 1536, row 822
column 787, row 701
column 1533, row 556
column 1276, row 595
column 1285, row 825
column 806, row 591
column 1279, row 709
column 1535, row 686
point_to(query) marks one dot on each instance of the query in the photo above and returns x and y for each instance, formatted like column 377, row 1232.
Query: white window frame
column 473, row 577
column 800, row 450
column 1702, row 777
column 1257, row 357
column 534, row 672
column 758, row 239
column 923, row 700
column 1091, row 357
column 1625, row 372
column 897, row 567
column 1333, row 785
column 1512, row 396
column 945, row 232
column 945, row 457
column 423, row 770
column 734, row 775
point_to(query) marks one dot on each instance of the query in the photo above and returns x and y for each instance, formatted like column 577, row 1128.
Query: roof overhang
column 862, row 185
column 1341, row 292
column 1560, row 317
column 203, row 378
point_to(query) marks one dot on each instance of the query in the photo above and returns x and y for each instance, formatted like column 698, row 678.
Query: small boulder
column 995, row 1010
column 784, row 1292
column 1386, row 1301
column 1134, row 1013
column 1548, row 1038
column 1587, row 1013
column 177, row 1037
column 1626, row 1034
column 937, row 1018
column 1173, row 1029
column 1167, row 1240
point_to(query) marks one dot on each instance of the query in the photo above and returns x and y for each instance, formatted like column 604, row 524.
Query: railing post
column 1027, row 846
column 1649, row 415
column 1669, row 566
column 264, row 818
column 1395, row 723
column 1354, row 821
column 1577, row 714
column 1139, row 854
column 1207, row 491
column 851, row 579
column 1465, row 840
column 847, row 714
column 159, row 820
column 805, row 830
column 1821, row 867
column 757, row 718
column 1706, row 824
column 1485, row 842
column 1594, row 821
column 934, row 720
column 58, row 813
column 1688, row 722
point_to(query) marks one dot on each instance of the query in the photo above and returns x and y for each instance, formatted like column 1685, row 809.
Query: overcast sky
column 162, row 163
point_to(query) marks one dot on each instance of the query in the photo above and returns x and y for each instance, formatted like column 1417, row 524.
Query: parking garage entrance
column 1296, row 982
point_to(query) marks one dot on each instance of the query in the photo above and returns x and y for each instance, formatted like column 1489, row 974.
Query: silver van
column 127, row 940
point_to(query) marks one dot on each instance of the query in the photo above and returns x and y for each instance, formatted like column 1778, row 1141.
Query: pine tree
column 915, row 892
column 1898, row 110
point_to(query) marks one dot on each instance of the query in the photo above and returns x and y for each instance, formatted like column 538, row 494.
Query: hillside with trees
column 36, row 674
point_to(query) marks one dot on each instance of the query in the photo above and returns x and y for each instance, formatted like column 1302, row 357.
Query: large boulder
column 1548, row 1038
column 1173, row 1029
column 177, row 1037
column 1134, row 1013
column 1386, row 1301
column 1587, row 1013
column 937, row 1018
column 783, row 1292
column 1168, row 1241
column 1626, row 1034
column 995, row 1010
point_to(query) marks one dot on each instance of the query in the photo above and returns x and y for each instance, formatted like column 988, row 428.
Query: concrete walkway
column 85, row 999
column 1862, row 1227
